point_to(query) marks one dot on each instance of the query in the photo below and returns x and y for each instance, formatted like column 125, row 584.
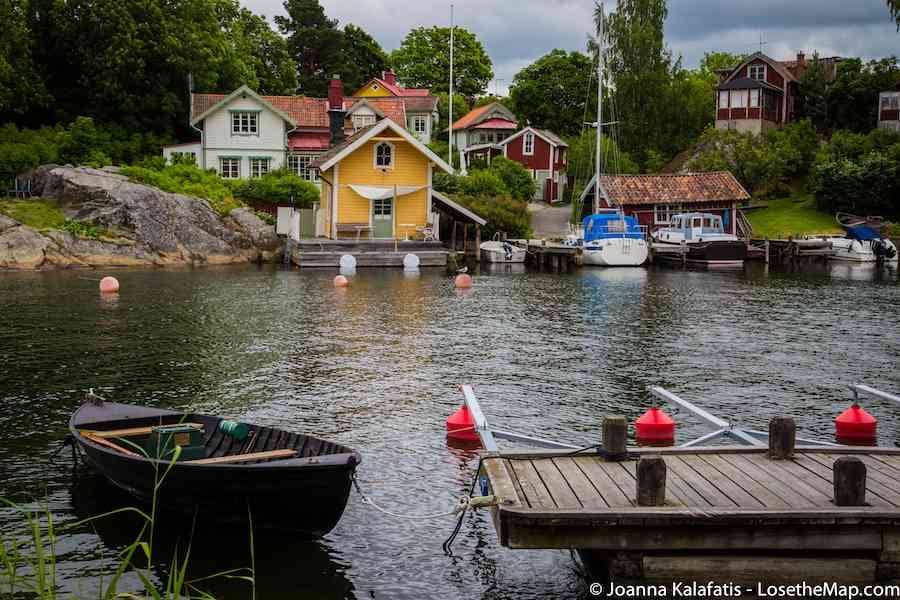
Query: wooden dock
column 368, row 253
column 550, row 255
column 721, row 503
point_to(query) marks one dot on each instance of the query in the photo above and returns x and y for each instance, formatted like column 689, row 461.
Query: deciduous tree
column 363, row 58
column 423, row 60
column 315, row 43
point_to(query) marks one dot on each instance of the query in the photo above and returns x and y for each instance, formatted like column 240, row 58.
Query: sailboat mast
column 599, row 109
column 450, row 114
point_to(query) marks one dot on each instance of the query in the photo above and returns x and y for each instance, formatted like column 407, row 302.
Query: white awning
column 380, row 192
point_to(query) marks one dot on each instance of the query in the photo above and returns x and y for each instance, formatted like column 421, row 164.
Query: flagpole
column 450, row 116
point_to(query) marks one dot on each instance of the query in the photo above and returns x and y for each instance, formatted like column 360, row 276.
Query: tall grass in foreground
column 28, row 558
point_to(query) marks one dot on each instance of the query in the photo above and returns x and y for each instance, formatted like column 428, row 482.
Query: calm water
column 376, row 367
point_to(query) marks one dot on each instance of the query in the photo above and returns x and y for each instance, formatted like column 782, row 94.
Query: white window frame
column 259, row 166
column 375, row 155
column 362, row 120
column 245, row 122
column 663, row 213
column 528, row 144
column 890, row 101
column 723, row 98
column 229, row 173
column 754, row 99
column 755, row 68
column 739, row 98
column 420, row 121
column 299, row 162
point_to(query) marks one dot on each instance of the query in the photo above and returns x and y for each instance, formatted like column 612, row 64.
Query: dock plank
column 774, row 485
column 623, row 479
column 709, row 492
column 877, row 484
column 826, row 481
column 677, row 492
column 556, row 483
column 723, row 483
column 585, row 491
column 743, row 479
column 795, row 477
column 610, row 491
column 537, row 493
column 501, row 481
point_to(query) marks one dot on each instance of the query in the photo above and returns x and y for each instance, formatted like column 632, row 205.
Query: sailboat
column 610, row 238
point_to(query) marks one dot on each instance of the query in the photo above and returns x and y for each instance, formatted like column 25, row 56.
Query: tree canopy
column 315, row 43
column 363, row 58
column 423, row 60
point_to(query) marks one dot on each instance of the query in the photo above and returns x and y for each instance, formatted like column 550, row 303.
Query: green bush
column 190, row 181
column 482, row 183
column 265, row 217
column 278, row 186
column 503, row 213
column 445, row 183
column 515, row 177
column 869, row 185
column 85, row 230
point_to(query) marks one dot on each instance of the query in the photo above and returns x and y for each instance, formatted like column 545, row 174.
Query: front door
column 383, row 218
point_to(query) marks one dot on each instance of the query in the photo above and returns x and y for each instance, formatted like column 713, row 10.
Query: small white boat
column 501, row 251
column 613, row 240
column 702, row 236
column 863, row 242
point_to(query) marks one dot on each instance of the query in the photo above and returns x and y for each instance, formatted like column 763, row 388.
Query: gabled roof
column 548, row 136
column 395, row 89
column 215, row 102
column 495, row 124
column 355, row 141
column 668, row 188
column 297, row 110
column 777, row 65
column 360, row 103
column 483, row 113
column 390, row 107
column 426, row 104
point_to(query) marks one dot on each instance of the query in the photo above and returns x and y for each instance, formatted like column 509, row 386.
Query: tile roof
column 392, row 108
column 552, row 137
column 495, row 124
column 306, row 112
column 420, row 103
column 470, row 117
column 481, row 113
column 675, row 188
column 337, row 149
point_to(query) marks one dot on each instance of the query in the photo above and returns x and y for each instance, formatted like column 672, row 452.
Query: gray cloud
column 516, row 33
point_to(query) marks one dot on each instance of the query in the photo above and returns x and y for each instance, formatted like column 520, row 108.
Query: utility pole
column 450, row 114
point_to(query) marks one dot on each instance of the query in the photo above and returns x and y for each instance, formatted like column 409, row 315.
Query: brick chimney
column 801, row 59
column 389, row 77
column 336, row 112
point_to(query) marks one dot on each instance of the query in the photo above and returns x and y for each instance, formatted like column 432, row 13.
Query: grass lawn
column 34, row 212
column 793, row 216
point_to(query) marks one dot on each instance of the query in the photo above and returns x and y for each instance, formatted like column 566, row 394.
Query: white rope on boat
column 461, row 504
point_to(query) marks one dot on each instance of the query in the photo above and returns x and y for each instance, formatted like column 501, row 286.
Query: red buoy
column 855, row 425
column 655, row 427
column 461, row 425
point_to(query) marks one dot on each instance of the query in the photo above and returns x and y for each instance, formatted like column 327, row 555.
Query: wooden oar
column 239, row 458
column 135, row 431
column 109, row 444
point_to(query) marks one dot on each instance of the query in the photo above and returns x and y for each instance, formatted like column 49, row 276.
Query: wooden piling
column 849, row 474
column 477, row 243
column 465, row 239
column 651, row 481
column 767, row 251
column 615, row 437
column 782, row 438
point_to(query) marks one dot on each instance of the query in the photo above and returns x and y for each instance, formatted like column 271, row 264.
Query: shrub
column 482, row 183
column 83, row 229
column 190, row 181
column 445, row 183
column 503, row 213
column 515, row 177
column 38, row 213
column 869, row 185
column 278, row 186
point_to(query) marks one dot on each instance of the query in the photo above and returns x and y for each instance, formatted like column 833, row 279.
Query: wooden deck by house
column 720, row 501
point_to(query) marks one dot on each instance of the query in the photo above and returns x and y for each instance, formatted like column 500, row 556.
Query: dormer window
column 528, row 144
column 244, row 123
column 362, row 120
column 384, row 155
column 757, row 72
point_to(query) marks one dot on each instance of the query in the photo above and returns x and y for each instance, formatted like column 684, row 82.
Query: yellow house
column 377, row 184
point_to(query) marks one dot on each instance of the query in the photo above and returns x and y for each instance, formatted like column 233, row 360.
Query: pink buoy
column 463, row 280
column 109, row 285
column 341, row 281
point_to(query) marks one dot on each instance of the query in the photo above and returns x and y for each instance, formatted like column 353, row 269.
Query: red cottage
column 761, row 92
column 654, row 199
column 889, row 110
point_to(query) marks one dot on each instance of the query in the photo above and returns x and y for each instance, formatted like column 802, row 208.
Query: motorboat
column 701, row 238
column 613, row 240
column 502, row 251
column 863, row 241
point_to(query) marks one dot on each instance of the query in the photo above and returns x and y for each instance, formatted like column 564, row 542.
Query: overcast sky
column 516, row 32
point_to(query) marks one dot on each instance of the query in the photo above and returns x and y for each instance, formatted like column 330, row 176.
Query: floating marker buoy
column 109, row 285
column 655, row 427
column 461, row 425
column 856, row 426
column 348, row 262
column 341, row 281
column 411, row 262
column 463, row 281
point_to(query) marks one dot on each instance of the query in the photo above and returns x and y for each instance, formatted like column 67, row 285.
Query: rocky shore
column 146, row 226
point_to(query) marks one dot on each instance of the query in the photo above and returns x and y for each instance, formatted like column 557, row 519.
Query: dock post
column 615, row 437
column 782, row 438
column 767, row 250
column 477, row 243
column 453, row 235
column 849, row 481
column 651, row 481
column 683, row 254
column 465, row 239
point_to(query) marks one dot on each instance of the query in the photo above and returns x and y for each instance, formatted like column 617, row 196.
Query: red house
column 540, row 151
column 889, row 110
column 761, row 92
column 654, row 199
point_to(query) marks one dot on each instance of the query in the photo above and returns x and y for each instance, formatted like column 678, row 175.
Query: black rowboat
column 289, row 481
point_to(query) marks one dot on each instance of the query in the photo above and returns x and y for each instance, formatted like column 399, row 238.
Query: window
column 723, row 99
column 754, row 98
column 259, row 166
column 300, row 164
column 384, row 156
column 739, row 99
column 244, row 123
column 363, row 120
column 757, row 72
column 230, row 168
column 528, row 143
column 890, row 102
column 663, row 213
column 420, row 125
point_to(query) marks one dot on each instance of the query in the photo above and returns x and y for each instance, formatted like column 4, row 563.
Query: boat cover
column 610, row 225
column 862, row 233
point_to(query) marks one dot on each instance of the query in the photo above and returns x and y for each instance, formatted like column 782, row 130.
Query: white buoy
column 410, row 262
column 348, row 261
